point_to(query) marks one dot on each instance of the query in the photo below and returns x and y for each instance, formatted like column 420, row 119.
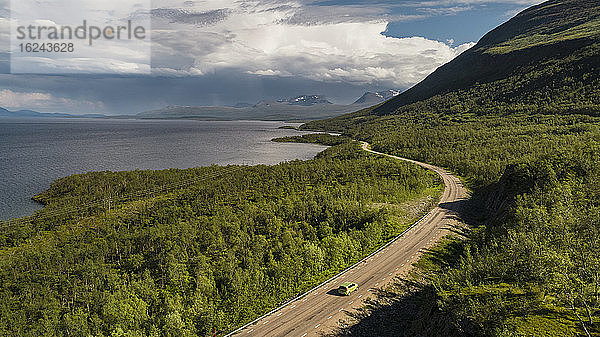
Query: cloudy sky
column 221, row 52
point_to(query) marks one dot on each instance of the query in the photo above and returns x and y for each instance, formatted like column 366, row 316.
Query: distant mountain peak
column 376, row 97
column 305, row 100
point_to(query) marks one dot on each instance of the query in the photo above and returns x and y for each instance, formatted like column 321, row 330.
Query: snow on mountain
column 376, row 97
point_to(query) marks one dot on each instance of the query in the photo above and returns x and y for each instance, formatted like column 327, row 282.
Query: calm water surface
column 34, row 152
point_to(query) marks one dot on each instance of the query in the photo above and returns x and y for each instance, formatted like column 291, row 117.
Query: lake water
column 34, row 152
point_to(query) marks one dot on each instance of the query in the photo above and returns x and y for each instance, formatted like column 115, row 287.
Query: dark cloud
column 128, row 95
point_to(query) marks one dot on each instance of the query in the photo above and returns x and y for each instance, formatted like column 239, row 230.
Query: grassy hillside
column 517, row 116
column 544, row 60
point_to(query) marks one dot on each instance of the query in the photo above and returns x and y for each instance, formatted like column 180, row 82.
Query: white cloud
column 45, row 102
column 120, row 53
column 282, row 38
column 291, row 40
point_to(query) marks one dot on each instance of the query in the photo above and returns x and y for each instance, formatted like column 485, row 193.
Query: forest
column 531, row 263
column 517, row 117
column 203, row 251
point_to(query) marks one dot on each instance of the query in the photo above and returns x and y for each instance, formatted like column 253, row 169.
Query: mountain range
column 29, row 113
column 298, row 108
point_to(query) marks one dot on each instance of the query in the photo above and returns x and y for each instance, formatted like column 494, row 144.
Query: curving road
column 319, row 311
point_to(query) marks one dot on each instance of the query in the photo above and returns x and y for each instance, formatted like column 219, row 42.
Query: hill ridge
column 557, row 32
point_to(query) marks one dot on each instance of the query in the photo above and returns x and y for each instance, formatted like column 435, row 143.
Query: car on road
column 347, row 288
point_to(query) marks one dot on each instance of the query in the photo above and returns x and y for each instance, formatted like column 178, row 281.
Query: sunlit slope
column 546, row 59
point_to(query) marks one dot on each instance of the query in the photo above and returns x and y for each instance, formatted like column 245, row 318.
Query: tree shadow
column 405, row 309
column 454, row 206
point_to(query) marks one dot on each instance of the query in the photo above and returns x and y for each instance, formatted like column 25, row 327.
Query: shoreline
column 28, row 203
